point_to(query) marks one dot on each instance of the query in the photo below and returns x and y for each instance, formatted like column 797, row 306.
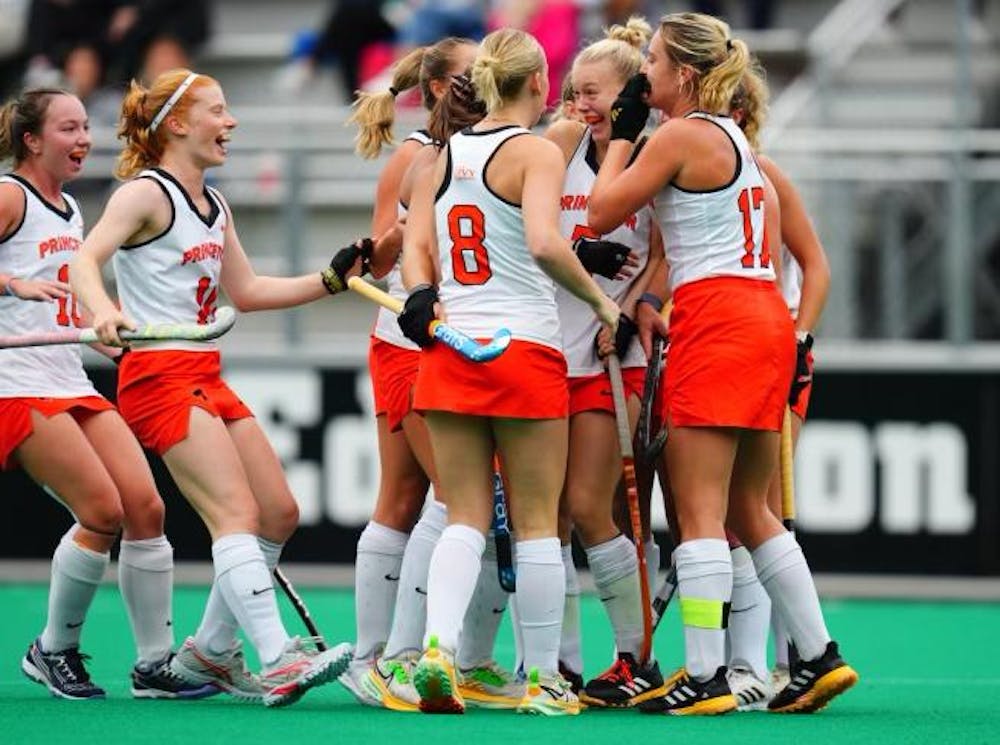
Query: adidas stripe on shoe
column 687, row 696
column 625, row 683
column 814, row 683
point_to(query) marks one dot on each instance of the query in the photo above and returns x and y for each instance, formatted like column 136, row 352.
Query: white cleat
column 752, row 693
column 302, row 667
column 355, row 681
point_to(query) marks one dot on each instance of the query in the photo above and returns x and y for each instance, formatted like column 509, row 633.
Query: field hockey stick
column 447, row 335
column 300, row 608
column 651, row 383
column 632, row 496
column 787, row 473
column 506, row 574
column 225, row 317
column 663, row 596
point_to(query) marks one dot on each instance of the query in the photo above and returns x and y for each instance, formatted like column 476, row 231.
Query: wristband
column 804, row 337
column 8, row 289
column 652, row 299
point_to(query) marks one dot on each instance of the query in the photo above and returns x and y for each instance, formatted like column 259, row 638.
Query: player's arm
column 12, row 207
column 543, row 170
column 385, row 216
column 420, row 235
column 799, row 235
column 566, row 133
column 772, row 229
column 137, row 211
column 621, row 189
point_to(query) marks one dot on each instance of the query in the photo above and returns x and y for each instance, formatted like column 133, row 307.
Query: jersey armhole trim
column 736, row 172
column 66, row 214
column 446, row 181
column 24, row 216
column 486, row 168
column 170, row 225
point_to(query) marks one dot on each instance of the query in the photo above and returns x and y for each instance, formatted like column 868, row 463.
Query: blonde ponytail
column 374, row 113
column 621, row 47
column 751, row 99
column 507, row 58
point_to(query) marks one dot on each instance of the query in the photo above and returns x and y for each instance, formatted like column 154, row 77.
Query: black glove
column 630, row 112
column 627, row 329
column 803, row 369
column 417, row 315
column 335, row 276
column 601, row 257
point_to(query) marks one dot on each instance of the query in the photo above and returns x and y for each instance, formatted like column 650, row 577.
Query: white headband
column 174, row 98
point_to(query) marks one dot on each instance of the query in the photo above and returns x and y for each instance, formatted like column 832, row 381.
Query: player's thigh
column 209, row 473
column 124, row 460
column 58, row 456
column 402, row 481
column 279, row 513
column 593, row 470
column 534, row 454
column 700, row 462
column 463, row 452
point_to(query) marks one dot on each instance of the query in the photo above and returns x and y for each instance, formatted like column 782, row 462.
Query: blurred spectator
column 759, row 13
column 153, row 36
column 356, row 36
column 555, row 23
column 433, row 20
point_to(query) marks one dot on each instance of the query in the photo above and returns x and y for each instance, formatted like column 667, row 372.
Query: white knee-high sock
column 541, row 594
column 482, row 619
column 705, row 586
column 146, row 580
column 780, row 638
column 217, row 631
column 376, row 582
column 615, row 569
column 410, row 617
column 652, row 549
column 76, row 573
column 245, row 584
column 749, row 617
column 785, row 575
column 570, row 642
column 451, row 580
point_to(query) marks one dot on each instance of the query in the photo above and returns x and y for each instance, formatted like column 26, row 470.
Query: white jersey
column 577, row 319
column 386, row 327
column 489, row 279
column 41, row 248
column 718, row 232
column 174, row 277
column 791, row 281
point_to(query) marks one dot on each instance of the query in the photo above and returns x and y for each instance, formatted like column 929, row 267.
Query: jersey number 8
column 470, row 263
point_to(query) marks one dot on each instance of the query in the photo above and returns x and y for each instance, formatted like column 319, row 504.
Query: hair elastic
column 393, row 91
column 729, row 45
column 174, row 98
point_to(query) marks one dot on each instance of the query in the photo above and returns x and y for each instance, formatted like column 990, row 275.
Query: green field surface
column 930, row 673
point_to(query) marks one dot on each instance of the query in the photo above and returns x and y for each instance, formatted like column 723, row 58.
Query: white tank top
column 718, row 232
column 791, row 281
column 577, row 319
column 386, row 327
column 41, row 248
column 489, row 279
column 174, row 277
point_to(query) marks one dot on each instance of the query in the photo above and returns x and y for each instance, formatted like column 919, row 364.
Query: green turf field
column 929, row 673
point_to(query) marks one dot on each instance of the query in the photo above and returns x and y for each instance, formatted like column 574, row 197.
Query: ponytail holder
column 729, row 45
column 393, row 91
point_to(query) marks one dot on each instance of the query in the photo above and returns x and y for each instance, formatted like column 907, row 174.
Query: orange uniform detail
column 15, row 413
column 394, row 373
column 593, row 392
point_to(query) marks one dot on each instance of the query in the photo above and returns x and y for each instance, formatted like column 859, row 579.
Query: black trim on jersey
column 446, row 181
column 424, row 132
column 639, row 145
column 591, row 156
column 470, row 132
column 66, row 214
column 736, row 150
column 486, row 167
column 213, row 213
column 170, row 225
column 24, row 216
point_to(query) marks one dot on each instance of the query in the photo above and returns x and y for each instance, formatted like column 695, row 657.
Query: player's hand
column 39, row 290
column 607, row 258
column 607, row 312
column 346, row 259
column 420, row 309
column 630, row 111
column 650, row 323
column 803, row 369
column 605, row 344
column 107, row 323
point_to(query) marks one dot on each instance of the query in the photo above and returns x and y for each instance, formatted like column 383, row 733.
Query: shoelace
column 398, row 671
column 617, row 673
column 70, row 663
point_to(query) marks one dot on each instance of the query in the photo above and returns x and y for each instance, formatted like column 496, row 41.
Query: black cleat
column 574, row 679
column 625, row 683
column 687, row 696
column 814, row 682
column 160, row 681
column 63, row 673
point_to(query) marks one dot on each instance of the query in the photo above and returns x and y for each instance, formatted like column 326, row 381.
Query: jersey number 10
column 64, row 318
column 470, row 264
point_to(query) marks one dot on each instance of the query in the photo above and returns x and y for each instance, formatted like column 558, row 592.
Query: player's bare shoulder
column 566, row 133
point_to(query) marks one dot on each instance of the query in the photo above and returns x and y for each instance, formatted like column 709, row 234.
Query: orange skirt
column 156, row 391
column 732, row 355
column 593, row 392
column 528, row 381
column 393, row 372
column 15, row 413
